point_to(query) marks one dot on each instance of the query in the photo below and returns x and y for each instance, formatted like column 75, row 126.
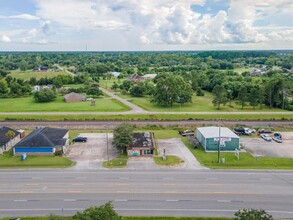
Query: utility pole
column 107, row 142
column 219, row 144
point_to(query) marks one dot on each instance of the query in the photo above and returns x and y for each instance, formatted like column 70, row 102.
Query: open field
column 107, row 83
column 243, row 69
column 28, row 104
column 199, row 104
column 26, row 75
column 7, row 160
column 118, row 162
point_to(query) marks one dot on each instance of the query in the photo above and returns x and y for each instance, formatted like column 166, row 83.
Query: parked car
column 243, row 131
column 186, row 132
column 266, row 137
column 264, row 131
column 79, row 139
column 277, row 137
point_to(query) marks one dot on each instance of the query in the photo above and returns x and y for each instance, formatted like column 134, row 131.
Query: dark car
column 79, row 139
column 264, row 131
column 277, row 137
column 186, row 132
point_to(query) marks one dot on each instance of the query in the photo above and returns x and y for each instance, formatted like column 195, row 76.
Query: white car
column 266, row 137
column 249, row 131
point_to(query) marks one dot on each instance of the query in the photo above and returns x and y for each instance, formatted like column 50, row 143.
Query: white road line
column 20, row 200
column 171, row 200
column 224, row 201
column 121, row 200
column 69, row 200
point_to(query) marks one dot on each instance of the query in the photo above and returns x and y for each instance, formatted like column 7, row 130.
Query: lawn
column 28, row 104
column 128, row 218
column 118, row 162
column 170, row 161
column 26, row 75
column 199, row 104
column 242, row 70
column 7, row 160
column 161, row 134
column 246, row 160
column 109, row 82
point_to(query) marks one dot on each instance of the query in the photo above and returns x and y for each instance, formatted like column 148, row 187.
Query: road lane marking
column 20, row 200
column 74, row 191
column 77, row 184
column 32, row 184
column 123, row 184
column 120, row 200
column 226, row 201
column 122, row 191
column 171, row 200
column 69, row 200
column 168, row 184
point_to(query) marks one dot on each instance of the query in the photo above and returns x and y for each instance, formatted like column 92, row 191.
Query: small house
column 209, row 138
column 43, row 141
column 7, row 140
column 115, row 74
column 74, row 97
column 143, row 144
column 149, row 76
column 135, row 77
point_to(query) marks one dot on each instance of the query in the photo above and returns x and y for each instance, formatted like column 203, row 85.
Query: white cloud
column 21, row 16
column 5, row 39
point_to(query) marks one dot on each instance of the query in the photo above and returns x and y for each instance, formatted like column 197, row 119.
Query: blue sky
column 101, row 25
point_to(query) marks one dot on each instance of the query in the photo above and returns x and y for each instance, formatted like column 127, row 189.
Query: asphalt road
column 113, row 124
column 146, row 193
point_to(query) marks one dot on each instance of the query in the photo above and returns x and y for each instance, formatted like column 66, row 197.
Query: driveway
column 259, row 147
column 90, row 154
column 176, row 147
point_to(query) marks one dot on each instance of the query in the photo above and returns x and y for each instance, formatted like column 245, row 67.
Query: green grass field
column 118, row 162
column 28, row 104
column 127, row 218
column 26, row 75
column 7, row 160
column 170, row 161
column 109, row 82
column 199, row 104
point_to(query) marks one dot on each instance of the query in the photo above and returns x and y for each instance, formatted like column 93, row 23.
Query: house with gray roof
column 43, row 141
column 74, row 97
column 6, row 141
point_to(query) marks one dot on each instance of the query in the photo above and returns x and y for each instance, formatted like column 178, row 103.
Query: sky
column 134, row 25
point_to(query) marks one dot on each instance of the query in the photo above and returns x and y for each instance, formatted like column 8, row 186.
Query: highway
column 146, row 193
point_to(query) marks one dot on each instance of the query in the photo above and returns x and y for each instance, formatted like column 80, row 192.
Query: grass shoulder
column 118, row 162
column 7, row 161
column 129, row 218
column 170, row 160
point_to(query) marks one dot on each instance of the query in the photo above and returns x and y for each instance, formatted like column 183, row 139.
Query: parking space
column 259, row 147
column 94, row 150
column 176, row 147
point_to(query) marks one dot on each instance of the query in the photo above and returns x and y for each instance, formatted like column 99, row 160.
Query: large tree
column 3, row 87
column 45, row 95
column 220, row 96
column 122, row 136
column 242, row 96
column 172, row 89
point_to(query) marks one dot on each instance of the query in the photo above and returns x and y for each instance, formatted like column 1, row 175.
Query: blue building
column 43, row 141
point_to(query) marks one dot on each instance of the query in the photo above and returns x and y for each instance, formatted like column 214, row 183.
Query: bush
column 102, row 212
column 252, row 214
column 45, row 95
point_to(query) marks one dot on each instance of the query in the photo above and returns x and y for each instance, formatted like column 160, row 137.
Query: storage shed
column 74, row 97
column 143, row 144
column 208, row 137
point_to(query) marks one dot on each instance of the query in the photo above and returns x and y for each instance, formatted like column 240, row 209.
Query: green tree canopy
column 45, row 95
column 220, row 96
column 122, row 136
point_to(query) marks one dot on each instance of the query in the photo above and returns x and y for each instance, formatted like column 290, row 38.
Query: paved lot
column 176, row 147
column 260, row 147
column 92, row 152
column 145, row 163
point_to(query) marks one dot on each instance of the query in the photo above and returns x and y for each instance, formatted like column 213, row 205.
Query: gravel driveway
column 90, row 154
column 176, row 147
column 259, row 147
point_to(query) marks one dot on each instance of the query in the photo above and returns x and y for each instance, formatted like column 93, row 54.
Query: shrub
column 45, row 95
column 252, row 214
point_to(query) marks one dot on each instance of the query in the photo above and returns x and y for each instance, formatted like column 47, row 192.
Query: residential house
column 143, row 144
column 149, row 76
column 41, row 69
column 74, row 97
column 115, row 74
column 135, row 77
column 7, row 142
column 43, row 141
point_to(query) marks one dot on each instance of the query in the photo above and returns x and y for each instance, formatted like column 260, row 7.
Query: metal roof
column 213, row 132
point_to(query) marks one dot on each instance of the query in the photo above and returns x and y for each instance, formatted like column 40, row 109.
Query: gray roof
column 213, row 132
column 74, row 95
column 142, row 139
column 44, row 137
column 3, row 138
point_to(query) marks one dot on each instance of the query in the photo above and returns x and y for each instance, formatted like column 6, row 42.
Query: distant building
column 143, row 144
column 43, row 141
column 74, row 97
column 208, row 137
column 7, row 142
column 41, row 69
column 38, row 88
column 149, row 76
column 135, row 77
column 115, row 74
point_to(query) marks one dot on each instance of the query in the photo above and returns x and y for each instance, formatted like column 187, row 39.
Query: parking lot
column 259, row 147
column 94, row 150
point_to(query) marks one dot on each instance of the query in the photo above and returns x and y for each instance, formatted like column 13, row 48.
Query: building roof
column 74, row 95
column 3, row 138
column 44, row 137
column 213, row 132
column 115, row 74
column 150, row 76
column 142, row 139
